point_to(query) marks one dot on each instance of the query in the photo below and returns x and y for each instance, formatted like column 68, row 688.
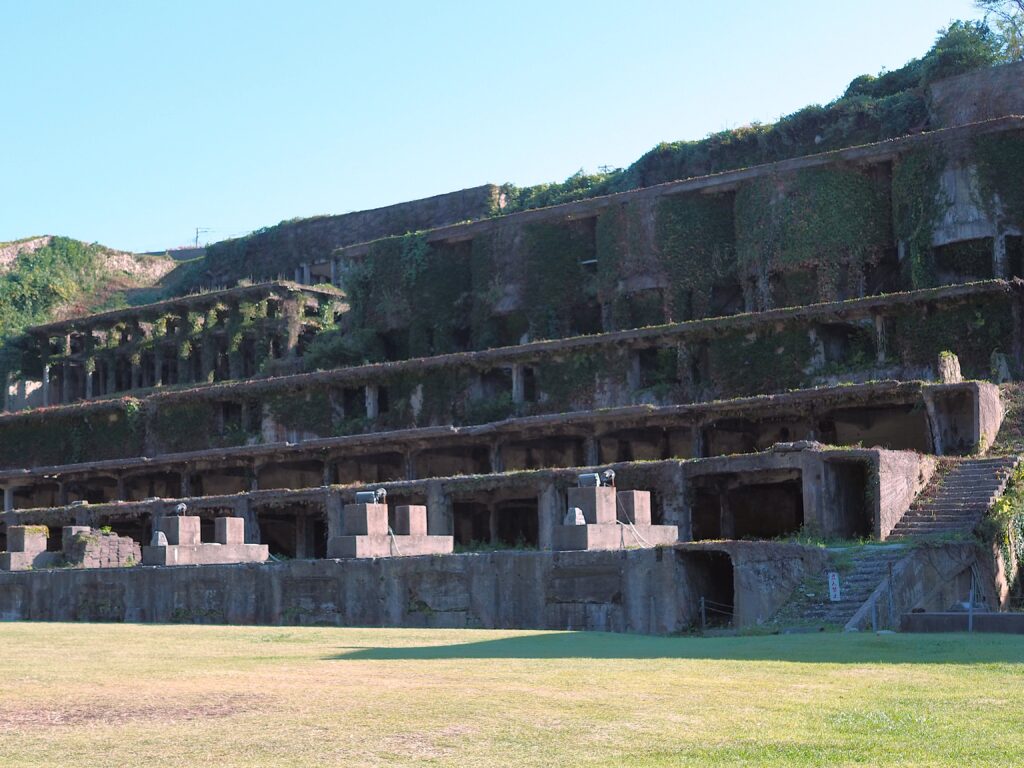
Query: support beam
column 372, row 401
column 518, row 384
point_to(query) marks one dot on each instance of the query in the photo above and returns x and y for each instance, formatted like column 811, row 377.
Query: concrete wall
column 931, row 578
column 646, row 591
column 980, row 95
column 901, row 476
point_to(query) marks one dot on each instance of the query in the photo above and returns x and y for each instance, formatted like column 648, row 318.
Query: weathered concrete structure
column 178, row 541
column 202, row 338
column 366, row 532
column 807, row 349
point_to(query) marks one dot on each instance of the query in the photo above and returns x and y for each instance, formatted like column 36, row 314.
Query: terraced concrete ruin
column 641, row 412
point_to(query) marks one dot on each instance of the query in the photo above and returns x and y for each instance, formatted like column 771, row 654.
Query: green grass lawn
column 112, row 695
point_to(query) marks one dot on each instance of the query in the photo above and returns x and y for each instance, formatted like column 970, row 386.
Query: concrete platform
column 205, row 554
column 386, row 546
column 614, row 536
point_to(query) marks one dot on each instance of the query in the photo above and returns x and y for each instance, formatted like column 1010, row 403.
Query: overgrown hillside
column 49, row 278
column 871, row 109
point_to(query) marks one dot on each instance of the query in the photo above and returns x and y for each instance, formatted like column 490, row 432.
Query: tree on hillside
column 1008, row 18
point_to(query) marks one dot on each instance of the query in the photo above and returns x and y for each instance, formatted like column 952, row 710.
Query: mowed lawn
column 114, row 695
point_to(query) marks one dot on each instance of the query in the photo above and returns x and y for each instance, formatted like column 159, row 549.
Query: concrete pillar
column 298, row 275
column 440, row 515
column 328, row 475
column 122, row 492
column 158, row 379
column 112, row 375
column 7, row 391
column 881, row 339
column 591, row 452
column 307, row 278
column 727, row 521
column 89, row 369
column 372, row 401
column 244, row 510
column 497, row 457
column 633, row 376
column 699, row 449
column 8, row 498
column 334, row 271
column 293, row 324
column 1000, row 267
column 65, row 382
column 62, row 494
column 254, row 477
column 550, row 511
column 303, row 550
column 333, row 505
column 186, row 483
column 410, row 465
column 684, row 366
column 492, row 524
column 46, row 384
column 518, row 384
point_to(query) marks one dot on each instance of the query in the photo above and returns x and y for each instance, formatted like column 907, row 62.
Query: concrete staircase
column 867, row 567
column 956, row 501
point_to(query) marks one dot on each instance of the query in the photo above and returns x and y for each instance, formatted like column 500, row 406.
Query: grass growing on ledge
column 112, row 695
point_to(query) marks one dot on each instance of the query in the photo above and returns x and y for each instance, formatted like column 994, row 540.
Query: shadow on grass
column 817, row 648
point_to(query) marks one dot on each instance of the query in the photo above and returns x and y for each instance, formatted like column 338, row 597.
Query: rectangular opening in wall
column 847, row 491
column 452, row 461
column 897, row 427
column 710, row 575
column 472, row 524
column 543, row 453
column 639, row 444
column 659, row 368
column 518, row 524
column 847, row 345
column 726, row 299
column 768, row 510
column 529, row 384
column 370, row 468
column 794, row 288
column 354, row 399
column 883, row 275
column 965, row 261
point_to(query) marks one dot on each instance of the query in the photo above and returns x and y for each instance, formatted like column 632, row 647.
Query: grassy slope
column 106, row 695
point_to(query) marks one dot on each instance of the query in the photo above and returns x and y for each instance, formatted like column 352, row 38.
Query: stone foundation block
column 27, row 538
column 411, row 520
column 634, row 507
column 365, row 520
column 229, row 530
column 598, row 504
column 594, row 537
column 183, row 530
column 387, row 546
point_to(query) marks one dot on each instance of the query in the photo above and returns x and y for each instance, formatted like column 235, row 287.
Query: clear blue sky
column 131, row 123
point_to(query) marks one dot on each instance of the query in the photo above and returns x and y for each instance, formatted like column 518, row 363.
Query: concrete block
column 597, row 503
column 411, row 520
column 182, row 530
column 229, row 530
column 205, row 554
column 365, row 520
column 23, row 561
column 634, row 507
column 27, row 538
column 387, row 546
column 598, row 537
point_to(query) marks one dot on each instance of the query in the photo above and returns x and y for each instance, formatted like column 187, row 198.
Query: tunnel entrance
column 710, row 574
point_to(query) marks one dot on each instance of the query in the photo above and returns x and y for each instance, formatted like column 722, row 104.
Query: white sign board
column 833, row 587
